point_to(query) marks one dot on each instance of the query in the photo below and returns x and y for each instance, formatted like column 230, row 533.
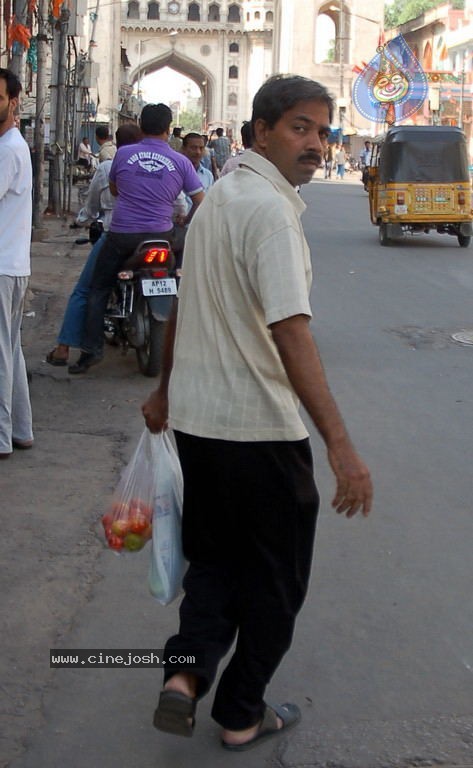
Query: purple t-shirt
column 149, row 176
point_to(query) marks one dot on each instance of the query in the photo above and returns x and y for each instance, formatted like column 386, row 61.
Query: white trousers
column 15, row 406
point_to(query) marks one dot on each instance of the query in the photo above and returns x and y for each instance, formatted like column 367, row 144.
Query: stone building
column 228, row 48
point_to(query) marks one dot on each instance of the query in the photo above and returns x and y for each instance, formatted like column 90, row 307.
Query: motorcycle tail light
column 159, row 273
column 400, row 198
column 126, row 274
column 157, row 255
column 461, row 198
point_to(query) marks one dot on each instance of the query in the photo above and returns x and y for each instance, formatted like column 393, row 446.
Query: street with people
column 380, row 665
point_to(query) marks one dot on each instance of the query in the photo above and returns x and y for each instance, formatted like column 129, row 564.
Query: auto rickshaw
column 419, row 180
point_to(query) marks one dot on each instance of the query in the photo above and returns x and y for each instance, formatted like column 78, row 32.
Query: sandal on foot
column 290, row 715
column 175, row 713
column 53, row 360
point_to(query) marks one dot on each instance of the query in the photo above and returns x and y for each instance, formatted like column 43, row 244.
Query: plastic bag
column 127, row 521
column 167, row 564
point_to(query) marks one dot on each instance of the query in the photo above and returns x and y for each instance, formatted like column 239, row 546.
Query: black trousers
column 249, row 519
column 118, row 246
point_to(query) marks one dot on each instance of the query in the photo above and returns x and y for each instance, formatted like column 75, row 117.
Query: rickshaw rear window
column 426, row 156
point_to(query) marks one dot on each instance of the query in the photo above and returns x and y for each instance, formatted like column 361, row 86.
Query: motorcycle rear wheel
column 149, row 356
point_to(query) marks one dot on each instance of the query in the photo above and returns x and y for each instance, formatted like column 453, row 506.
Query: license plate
column 163, row 287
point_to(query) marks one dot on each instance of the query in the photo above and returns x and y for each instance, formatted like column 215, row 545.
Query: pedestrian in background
column 84, row 154
column 107, row 149
column 239, row 355
column 247, row 140
column 16, row 430
column 221, row 146
column 340, row 160
column 175, row 139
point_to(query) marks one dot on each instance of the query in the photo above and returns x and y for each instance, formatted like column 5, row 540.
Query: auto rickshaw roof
column 448, row 134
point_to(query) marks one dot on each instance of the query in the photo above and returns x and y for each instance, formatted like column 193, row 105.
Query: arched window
column 133, row 9
column 269, row 16
column 214, row 12
column 232, row 99
column 234, row 48
column 234, row 13
column 326, row 48
column 233, row 72
column 427, row 62
column 257, row 15
column 153, row 10
column 193, row 12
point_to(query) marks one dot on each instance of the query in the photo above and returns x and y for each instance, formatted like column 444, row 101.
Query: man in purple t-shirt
column 146, row 178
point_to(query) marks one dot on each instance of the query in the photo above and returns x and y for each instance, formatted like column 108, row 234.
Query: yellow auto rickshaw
column 419, row 180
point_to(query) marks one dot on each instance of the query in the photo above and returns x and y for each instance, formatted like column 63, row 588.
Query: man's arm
column 155, row 409
column 97, row 185
column 196, row 201
column 301, row 360
column 113, row 188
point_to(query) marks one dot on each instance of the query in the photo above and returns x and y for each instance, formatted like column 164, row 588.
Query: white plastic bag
column 128, row 516
column 167, row 564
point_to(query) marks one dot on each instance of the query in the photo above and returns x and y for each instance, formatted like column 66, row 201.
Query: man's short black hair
column 282, row 92
column 102, row 132
column 128, row 133
column 219, row 132
column 155, row 119
column 191, row 135
column 246, row 134
column 13, row 84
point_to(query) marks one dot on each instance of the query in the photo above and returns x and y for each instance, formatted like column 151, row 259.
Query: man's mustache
column 313, row 157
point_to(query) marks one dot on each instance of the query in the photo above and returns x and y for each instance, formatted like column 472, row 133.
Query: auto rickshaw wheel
column 383, row 234
column 464, row 241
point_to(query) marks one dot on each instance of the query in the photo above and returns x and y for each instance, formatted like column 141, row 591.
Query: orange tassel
column 56, row 8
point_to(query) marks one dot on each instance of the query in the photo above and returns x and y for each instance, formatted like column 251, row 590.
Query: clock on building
column 173, row 7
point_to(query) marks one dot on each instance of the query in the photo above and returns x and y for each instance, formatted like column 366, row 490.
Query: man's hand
column 354, row 489
column 155, row 411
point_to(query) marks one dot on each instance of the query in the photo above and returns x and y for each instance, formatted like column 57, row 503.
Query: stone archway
column 153, row 61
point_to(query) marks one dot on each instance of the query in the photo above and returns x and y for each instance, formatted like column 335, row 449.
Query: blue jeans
column 341, row 170
column 114, row 252
column 73, row 322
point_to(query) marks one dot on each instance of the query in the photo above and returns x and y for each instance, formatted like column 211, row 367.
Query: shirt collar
column 268, row 170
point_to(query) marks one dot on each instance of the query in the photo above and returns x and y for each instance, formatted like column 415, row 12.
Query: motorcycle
column 141, row 302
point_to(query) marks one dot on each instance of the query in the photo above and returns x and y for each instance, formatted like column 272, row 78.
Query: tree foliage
column 400, row 11
column 191, row 120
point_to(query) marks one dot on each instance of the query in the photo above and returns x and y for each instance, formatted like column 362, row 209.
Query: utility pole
column 57, row 115
column 41, row 98
column 17, row 57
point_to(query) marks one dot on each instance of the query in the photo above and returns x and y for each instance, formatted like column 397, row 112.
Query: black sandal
column 175, row 713
column 290, row 715
column 52, row 360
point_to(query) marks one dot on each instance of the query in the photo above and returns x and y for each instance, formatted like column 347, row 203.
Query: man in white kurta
column 15, row 237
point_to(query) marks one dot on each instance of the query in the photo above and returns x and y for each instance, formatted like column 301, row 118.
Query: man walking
column 340, row 160
column 16, row 429
column 146, row 179
column 221, row 147
column 243, row 357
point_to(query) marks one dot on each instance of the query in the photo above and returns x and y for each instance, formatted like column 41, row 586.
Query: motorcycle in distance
column 141, row 302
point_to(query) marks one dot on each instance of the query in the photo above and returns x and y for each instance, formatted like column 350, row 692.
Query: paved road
column 382, row 658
